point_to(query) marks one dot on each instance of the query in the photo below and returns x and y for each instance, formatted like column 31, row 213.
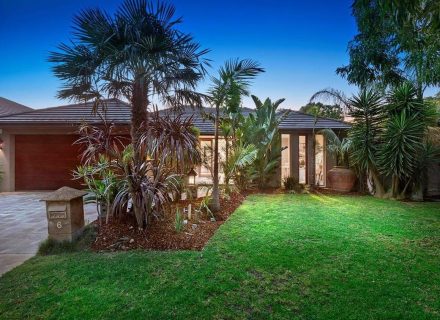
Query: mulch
column 123, row 235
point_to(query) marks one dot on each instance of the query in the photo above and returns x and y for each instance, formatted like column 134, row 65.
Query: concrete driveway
column 23, row 226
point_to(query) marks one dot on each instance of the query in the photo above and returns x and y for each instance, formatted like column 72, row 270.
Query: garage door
column 45, row 162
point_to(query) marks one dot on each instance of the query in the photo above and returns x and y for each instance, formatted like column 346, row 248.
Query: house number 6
column 59, row 225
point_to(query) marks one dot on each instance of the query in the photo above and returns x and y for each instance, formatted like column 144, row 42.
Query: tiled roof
column 8, row 107
column 299, row 120
column 200, row 117
column 114, row 110
column 119, row 112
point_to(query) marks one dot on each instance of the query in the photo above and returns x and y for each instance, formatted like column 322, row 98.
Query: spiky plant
column 338, row 147
column 365, row 135
column 139, row 54
column 404, row 150
column 262, row 131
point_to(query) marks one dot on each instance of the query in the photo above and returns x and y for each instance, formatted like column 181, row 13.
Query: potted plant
column 340, row 177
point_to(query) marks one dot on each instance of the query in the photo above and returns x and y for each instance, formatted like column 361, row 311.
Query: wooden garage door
column 45, row 162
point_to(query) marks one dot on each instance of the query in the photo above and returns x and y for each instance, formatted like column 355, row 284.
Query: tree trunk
column 215, row 203
column 226, row 162
column 380, row 191
column 394, row 186
column 139, row 118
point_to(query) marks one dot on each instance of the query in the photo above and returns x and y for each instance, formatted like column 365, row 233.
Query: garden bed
column 123, row 235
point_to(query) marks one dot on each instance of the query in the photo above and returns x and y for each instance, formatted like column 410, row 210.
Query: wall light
column 2, row 143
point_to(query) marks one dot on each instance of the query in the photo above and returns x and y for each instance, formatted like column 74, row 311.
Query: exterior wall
column 206, row 178
column 310, row 160
column 40, row 150
column 294, row 153
column 7, row 162
column 310, row 157
column 433, row 183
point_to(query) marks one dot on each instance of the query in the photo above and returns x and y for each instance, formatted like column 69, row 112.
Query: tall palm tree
column 234, row 77
column 139, row 54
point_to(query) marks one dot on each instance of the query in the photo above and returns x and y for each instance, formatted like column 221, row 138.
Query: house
column 38, row 151
column 8, row 107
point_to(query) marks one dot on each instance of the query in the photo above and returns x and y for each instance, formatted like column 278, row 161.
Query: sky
column 300, row 43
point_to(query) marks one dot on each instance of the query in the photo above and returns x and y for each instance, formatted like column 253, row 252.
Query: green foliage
column 256, row 151
column 397, row 41
column 138, row 54
column 113, row 172
column 404, row 132
column 82, row 243
column 434, row 102
column 239, row 163
column 338, row 147
column 389, row 137
column 139, row 49
column 365, row 133
column 233, row 81
column 205, row 206
column 178, row 221
column 318, row 109
column 261, row 130
column 292, row 185
column 102, row 183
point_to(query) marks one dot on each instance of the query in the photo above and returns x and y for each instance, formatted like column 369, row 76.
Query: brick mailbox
column 65, row 213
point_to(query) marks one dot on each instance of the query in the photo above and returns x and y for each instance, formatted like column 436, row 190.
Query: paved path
column 23, row 226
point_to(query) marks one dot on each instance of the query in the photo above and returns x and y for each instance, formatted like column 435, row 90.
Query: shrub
column 178, row 222
column 50, row 246
column 204, row 206
column 291, row 184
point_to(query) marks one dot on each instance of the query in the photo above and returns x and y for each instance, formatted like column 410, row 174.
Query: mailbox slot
column 57, row 211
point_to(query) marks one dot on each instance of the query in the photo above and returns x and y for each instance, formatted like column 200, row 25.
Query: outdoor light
column 192, row 177
column 2, row 143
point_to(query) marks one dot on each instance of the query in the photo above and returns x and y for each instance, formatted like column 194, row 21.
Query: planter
column 341, row 179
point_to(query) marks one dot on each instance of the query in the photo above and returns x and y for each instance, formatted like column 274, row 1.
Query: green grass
column 49, row 246
column 277, row 257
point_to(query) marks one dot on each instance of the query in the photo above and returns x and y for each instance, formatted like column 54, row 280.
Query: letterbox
column 65, row 213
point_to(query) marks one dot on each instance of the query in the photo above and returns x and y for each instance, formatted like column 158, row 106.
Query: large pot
column 341, row 179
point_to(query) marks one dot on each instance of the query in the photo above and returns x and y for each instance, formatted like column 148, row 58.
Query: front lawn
column 278, row 256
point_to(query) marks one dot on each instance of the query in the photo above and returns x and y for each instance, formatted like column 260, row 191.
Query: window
column 206, row 149
column 285, row 156
column 302, row 159
column 319, row 160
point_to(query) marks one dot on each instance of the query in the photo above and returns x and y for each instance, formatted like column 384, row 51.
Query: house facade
column 38, row 150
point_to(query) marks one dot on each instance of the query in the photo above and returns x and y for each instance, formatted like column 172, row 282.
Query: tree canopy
column 397, row 41
column 323, row 110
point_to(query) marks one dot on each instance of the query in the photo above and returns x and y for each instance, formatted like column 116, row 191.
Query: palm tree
column 365, row 134
column 138, row 54
column 262, row 131
column 404, row 151
column 338, row 147
column 234, row 77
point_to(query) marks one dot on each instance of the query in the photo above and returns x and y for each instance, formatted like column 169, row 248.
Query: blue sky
column 299, row 43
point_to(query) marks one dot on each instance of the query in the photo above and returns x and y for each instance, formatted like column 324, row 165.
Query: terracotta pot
column 341, row 179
